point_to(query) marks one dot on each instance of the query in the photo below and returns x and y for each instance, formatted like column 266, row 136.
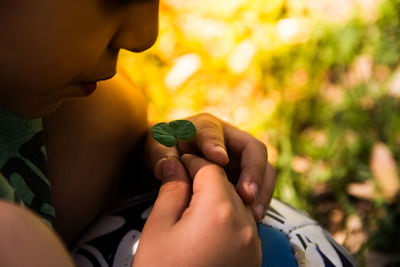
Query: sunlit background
column 317, row 80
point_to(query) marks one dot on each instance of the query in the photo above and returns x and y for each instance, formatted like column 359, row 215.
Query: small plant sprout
column 168, row 134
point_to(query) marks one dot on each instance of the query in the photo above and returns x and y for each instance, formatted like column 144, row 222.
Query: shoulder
column 87, row 142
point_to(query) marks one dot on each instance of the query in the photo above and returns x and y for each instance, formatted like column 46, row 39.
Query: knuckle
column 224, row 214
column 172, row 187
column 249, row 236
column 262, row 146
column 210, row 127
column 208, row 121
column 206, row 115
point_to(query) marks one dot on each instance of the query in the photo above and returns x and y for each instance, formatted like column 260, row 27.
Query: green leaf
column 169, row 133
column 183, row 130
column 163, row 133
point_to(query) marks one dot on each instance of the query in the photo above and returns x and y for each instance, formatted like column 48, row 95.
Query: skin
column 70, row 42
column 183, row 204
column 60, row 47
column 87, row 145
column 246, row 163
column 28, row 242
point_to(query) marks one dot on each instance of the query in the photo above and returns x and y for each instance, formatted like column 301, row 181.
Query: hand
column 207, row 226
column 243, row 157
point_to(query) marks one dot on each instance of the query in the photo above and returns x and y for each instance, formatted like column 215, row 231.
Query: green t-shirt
column 23, row 165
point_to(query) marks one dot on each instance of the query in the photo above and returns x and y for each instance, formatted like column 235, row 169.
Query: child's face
column 54, row 49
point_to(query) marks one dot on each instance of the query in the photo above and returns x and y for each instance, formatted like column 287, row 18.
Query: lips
column 89, row 85
column 106, row 77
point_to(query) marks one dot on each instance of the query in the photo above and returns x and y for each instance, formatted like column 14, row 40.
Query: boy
column 52, row 52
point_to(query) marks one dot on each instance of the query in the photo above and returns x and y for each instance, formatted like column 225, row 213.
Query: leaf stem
column 179, row 151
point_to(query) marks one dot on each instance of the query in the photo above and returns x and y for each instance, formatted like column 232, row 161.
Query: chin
column 34, row 112
column 48, row 110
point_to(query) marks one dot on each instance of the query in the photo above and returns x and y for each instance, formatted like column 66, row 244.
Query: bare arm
column 26, row 241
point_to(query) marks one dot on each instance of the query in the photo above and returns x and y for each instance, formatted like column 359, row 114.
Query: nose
column 138, row 26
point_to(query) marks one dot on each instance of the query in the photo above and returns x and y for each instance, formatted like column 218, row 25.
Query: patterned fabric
column 288, row 236
column 311, row 244
column 23, row 169
column 276, row 249
column 113, row 240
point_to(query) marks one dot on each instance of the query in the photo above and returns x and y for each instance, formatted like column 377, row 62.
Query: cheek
column 56, row 47
column 40, row 65
column 54, row 64
column 38, row 78
column 36, row 81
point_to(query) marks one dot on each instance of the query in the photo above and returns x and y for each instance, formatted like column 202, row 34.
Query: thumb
column 174, row 195
column 210, row 183
column 156, row 154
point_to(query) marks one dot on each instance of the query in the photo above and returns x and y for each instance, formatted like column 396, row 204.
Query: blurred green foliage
column 319, row 83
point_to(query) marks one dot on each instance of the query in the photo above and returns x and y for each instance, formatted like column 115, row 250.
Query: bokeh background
column 317, row 80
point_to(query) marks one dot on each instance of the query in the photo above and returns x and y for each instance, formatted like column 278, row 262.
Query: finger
column 212, row 192
column 209, row 180
column 253, row 164
column 156, row 154
column 173, row 197
column 210, row 138
column 262, row 202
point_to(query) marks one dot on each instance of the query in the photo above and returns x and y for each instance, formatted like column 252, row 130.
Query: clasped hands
column 202, row 218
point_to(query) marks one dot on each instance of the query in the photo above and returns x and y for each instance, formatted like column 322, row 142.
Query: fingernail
column 220, row 149
column 253, row 189
column 260, row 211
column 168, row 168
